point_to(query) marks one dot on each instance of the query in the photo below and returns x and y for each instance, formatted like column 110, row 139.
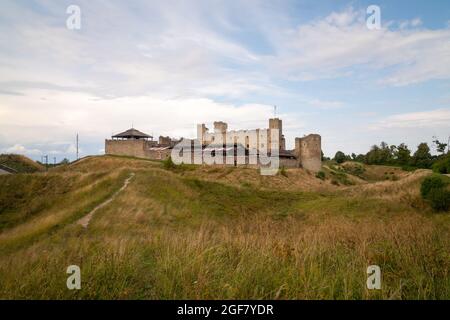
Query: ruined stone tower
column 308, row 151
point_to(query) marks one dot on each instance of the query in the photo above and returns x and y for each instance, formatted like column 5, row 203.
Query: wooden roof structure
column 132, row 134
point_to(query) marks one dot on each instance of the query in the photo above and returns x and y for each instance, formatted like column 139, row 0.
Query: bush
column 169, row 164
column 320, row 175
column 434, row 190
column 442, row 165
column 431, row 182
column 439, row 199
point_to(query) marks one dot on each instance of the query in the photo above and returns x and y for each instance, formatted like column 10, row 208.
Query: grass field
column 220, row 233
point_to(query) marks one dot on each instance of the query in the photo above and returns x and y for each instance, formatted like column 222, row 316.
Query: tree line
column 401, row 155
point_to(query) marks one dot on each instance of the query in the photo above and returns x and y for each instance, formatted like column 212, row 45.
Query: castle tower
column 220, row 128
column 202, row 130
column 308, row 151
column 276, row 123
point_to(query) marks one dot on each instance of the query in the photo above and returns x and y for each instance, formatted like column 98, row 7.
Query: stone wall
column 288, row 163
column 158, row 154
column 308, row 152
column 134, row 148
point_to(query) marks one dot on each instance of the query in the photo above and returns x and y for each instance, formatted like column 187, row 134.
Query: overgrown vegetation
column 20, row 163
column 177, row 235
column 435, row 189
column 320, row 175
column 442, row 165
column 400, row 155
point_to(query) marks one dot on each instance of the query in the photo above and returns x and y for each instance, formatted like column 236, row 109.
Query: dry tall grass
column 175, row 235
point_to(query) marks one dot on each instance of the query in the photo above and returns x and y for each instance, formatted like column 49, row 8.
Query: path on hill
column 87, row 218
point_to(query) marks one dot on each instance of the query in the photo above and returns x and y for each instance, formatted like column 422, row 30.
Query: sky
column 165, row 66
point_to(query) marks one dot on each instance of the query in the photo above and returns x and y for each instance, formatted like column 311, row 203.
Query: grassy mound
column 20, row 163
column 218, row 233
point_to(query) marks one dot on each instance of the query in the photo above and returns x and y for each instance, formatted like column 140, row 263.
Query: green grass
column 171, row 236
column 20, row 163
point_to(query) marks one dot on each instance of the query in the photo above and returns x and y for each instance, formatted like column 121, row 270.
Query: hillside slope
column 208, row 232
column 20, row 164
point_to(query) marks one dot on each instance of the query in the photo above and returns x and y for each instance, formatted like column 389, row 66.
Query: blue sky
column 167, row 65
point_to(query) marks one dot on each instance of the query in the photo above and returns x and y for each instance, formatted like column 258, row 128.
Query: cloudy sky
column 165, row 66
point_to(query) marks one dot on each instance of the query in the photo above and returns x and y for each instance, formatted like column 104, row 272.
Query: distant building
column 138, row 144
column 307, row 152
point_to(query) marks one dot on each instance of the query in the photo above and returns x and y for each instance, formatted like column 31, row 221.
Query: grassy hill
column 20, row 164
column 208, row 232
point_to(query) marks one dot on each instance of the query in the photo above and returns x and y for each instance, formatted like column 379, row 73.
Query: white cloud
column 97, row 119
column 324, row 104
column 341, row 44
column 165, row 67
column 423, row 119
column 20, row 149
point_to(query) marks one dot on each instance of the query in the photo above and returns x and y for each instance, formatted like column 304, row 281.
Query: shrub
column 320, row 175
column 434, row 190
column 442, row 165
column 431, row 182
column 439, row 199
column 169, row 164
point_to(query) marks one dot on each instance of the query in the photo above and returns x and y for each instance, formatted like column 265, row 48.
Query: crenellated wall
column 307, row 153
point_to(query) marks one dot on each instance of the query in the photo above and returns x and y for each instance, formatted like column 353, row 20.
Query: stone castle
column 307, row 153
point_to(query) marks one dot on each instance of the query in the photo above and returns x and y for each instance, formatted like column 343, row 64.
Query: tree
column 440, row 146
column 340, row 157
column 379, row 154
column 422, row 157
column 360, row 158
column 402, row 154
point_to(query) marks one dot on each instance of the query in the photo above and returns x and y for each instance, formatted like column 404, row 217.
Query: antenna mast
column 77, row 146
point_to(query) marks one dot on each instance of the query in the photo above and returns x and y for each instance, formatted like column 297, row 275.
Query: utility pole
column 54, row 161
column 77, row 146
column 46, row 162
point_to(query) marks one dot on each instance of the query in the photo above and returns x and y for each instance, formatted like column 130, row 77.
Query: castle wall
column 262, row 140
column 307, row 150
column 158, row 154
column 134, row 148
column 288, row 163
